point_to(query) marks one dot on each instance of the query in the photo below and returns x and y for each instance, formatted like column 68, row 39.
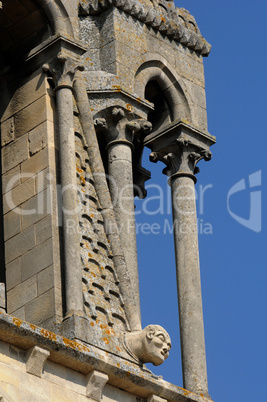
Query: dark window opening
column 161, row 115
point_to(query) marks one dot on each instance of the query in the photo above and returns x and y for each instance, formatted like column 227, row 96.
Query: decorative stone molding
column 176, row 23
column 151, row 345
column 36, row 358
column 96, row 382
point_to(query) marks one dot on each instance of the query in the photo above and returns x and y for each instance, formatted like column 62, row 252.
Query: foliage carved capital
column 63, row 70
column 118, row 125
column 181, row 158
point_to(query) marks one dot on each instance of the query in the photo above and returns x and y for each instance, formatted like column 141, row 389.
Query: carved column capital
column 62, row 70
column 181, row 158
column 180, row 146
column 118, row 124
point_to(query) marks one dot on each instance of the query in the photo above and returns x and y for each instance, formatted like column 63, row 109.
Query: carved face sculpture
column 158, row 344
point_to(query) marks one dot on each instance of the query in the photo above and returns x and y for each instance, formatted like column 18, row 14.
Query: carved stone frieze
column 174, row 22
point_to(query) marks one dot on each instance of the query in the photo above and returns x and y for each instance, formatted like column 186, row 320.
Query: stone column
column 63, row 72
column 121, row 129
column 181, row 159
column 121, row 189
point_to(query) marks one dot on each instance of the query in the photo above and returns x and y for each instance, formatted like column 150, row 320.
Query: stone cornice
column 171, row 21
column 76, row 355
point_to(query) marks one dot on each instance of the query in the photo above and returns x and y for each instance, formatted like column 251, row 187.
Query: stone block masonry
column 29, row 187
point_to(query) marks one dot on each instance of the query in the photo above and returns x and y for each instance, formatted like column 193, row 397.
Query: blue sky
column 232, row 257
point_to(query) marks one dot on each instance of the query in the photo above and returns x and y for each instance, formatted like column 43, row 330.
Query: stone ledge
column 75, row 355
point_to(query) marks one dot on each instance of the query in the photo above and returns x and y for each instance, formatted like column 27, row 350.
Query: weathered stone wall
column 131, row 53
column 31, row 233
column 57, row 383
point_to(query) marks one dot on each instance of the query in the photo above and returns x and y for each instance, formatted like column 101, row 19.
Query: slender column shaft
column 121, row 189
column 73, row 279
column 189, row 286
column 181, row 148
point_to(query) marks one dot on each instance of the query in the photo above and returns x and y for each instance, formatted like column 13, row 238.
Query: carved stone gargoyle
column 151, row 345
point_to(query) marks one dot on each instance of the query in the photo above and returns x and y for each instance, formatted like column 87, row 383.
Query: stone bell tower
column 84, row 87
